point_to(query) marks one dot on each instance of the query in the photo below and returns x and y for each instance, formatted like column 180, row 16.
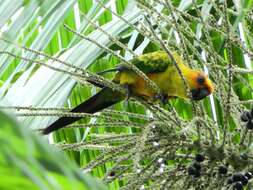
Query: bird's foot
column 163, row 98
column 129, row 92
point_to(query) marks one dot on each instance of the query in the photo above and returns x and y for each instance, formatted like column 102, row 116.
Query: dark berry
column 230, row 180
column 222, row 169
column 238, row 186
column 111, row 174
column 244, row 180
column 249, row 124
column 192, row 170
column 197, row 174
column 196, row 165
column 237, row 177
column 240, row 177
column 246, row 116
column 244, row 156
column 249, row 115
column 229, row 174
column 199, row 157
column 248, row 175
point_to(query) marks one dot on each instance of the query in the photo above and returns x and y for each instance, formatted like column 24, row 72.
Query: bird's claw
column 129, row 93
column 163, row 98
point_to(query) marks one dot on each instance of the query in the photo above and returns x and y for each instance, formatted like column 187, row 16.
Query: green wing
column 152, row 62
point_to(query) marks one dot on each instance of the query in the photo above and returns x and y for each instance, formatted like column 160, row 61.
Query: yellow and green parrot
column 160, row 69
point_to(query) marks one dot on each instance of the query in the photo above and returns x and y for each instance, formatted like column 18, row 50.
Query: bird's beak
column 200, row 93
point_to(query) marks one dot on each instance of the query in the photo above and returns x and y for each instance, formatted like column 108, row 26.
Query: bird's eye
column 200, row 80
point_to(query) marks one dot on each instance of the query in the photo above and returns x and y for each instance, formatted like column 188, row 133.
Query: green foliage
column 28, row 162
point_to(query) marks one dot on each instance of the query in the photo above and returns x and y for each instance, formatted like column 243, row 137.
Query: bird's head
column 200, row 85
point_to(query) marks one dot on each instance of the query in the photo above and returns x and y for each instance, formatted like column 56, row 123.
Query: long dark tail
column 103, row 99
